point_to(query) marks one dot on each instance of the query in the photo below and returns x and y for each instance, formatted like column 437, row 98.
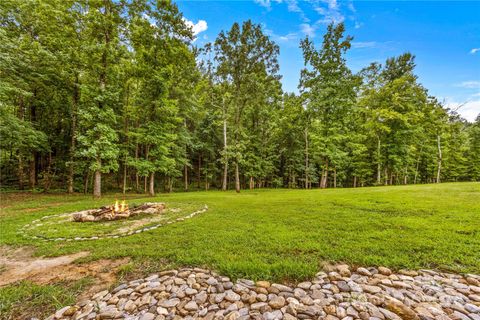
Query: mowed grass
column 284, row 234
column 25, row 299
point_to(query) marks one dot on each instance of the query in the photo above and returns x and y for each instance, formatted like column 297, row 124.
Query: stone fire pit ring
column 117, row 212
column 23, row 231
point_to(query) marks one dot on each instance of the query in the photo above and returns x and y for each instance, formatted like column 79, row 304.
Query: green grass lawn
column 284, row 234
column 26, row 299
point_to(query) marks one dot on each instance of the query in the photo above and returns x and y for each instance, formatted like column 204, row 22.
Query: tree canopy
column 115, row 95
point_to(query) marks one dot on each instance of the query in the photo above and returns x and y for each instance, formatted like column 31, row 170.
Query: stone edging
column 336, row 294
column 22, row 230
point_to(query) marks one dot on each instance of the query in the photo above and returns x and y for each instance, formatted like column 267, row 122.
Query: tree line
column 114, row 95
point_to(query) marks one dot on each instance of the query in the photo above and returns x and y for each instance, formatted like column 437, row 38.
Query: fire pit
column 112, row 222
column 117, row 211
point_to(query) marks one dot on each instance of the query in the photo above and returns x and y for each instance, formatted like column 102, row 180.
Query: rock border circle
column 23, row 229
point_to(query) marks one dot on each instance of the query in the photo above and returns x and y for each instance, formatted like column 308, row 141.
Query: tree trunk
column 170, row 184
column 416, row 171
column 225, row 165
column 237, row 178
column 21, row 176
column 439, row 169
column 20, row 173
column 207, row 180
column 152, row 184
column 252, row 183
column 125, row 128
column 32, row 176
column 185, row 172
column 73, row 137
column 32, row 171
column 354, row 181
column 306, row 158
column 85, row 185
column 147, row 148
column 137, row 178
column 405, row 176
column 289, row 178
column 47, row 180
column 334, row 177
column 225, row 177
column 124, row 184
column 324, row 180
column 97, row 185
column 379, row 167
column 325, row 183
column 199, row 173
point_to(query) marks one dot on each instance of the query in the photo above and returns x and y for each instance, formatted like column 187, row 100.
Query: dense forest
column 115, row 95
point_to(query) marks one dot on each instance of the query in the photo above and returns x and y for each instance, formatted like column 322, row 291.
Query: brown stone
column 330, row 309
column 473, row 281
column 70, row 311
column 344, row 270
column 263, row 284
column 409, row 273
column 401, row 309
column 384, row 271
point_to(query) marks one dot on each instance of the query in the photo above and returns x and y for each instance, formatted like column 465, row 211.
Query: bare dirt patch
column 18, row 264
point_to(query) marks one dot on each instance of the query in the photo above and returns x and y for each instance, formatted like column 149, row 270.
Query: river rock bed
column 337, row 293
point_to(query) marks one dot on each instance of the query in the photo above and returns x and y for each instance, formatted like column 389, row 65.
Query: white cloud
column 468, row 110
column 198, row 27
column 358, row 25
column 332, row 4
column 351, row 7
column 474, row 50
column 308, row 29
column 289, row 37
column 267, row 3
column 329, row 10
column 292, row 6
column 263, row 3
column 365, row 44
column 469, row 84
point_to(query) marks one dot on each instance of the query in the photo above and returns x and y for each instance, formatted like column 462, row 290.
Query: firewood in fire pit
column 107, row 213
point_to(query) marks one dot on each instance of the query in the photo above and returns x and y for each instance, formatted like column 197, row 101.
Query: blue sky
column 443, row 35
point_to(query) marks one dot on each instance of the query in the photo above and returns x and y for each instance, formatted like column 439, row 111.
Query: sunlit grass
column 286, row 234
column 27, row 299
